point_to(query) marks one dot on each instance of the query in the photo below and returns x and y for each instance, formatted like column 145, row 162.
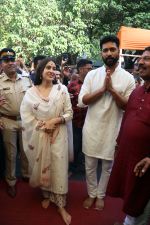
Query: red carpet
column 26, row 209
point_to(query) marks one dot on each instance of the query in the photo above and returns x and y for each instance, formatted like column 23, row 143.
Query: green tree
column 54, row 26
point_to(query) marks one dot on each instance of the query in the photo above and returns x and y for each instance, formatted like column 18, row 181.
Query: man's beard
column 110, row 61
column 145, row 78
column 143, row 69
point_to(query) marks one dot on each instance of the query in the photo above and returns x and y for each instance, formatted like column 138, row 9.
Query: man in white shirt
column 105, row 90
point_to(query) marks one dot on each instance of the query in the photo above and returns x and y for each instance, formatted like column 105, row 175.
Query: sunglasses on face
column 67, row 68
column 8, row 60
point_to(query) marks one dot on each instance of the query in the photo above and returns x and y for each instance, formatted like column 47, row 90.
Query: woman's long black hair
column 40, row 69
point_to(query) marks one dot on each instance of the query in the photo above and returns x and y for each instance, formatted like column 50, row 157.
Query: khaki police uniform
column 13, row 92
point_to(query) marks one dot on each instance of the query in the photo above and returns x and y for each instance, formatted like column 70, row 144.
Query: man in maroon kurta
column 134, row 145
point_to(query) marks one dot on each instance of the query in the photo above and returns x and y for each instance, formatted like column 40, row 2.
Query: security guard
column 12, row 89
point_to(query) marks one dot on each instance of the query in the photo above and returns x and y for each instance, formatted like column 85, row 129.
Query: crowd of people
column 103, row 110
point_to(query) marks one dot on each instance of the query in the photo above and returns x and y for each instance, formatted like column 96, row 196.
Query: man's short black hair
column 109, row 38
column 58, row 67
column 147, row 49
column 83, row 62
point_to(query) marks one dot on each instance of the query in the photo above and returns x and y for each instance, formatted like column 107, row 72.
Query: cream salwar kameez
column 48, row 161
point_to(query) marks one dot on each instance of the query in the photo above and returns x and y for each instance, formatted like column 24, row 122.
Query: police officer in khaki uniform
column 12, row 89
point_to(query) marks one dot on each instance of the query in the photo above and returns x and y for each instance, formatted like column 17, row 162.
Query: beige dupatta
column 37, row 143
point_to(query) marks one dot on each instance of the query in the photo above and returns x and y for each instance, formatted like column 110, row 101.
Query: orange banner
column 133, row 38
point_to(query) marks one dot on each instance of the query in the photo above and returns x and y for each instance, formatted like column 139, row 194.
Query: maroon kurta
column 134, row 145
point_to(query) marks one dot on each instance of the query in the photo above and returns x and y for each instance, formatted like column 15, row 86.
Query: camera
column 65, row 57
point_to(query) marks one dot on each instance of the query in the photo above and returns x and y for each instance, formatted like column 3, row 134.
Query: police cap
column 7, row 53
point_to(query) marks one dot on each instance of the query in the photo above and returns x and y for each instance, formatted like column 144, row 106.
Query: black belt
column 16, row 118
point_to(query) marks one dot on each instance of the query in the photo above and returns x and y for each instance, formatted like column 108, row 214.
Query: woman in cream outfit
column 45, row 110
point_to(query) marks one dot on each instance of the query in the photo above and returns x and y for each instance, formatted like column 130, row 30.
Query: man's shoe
column 11, row 191
column 88, row 202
